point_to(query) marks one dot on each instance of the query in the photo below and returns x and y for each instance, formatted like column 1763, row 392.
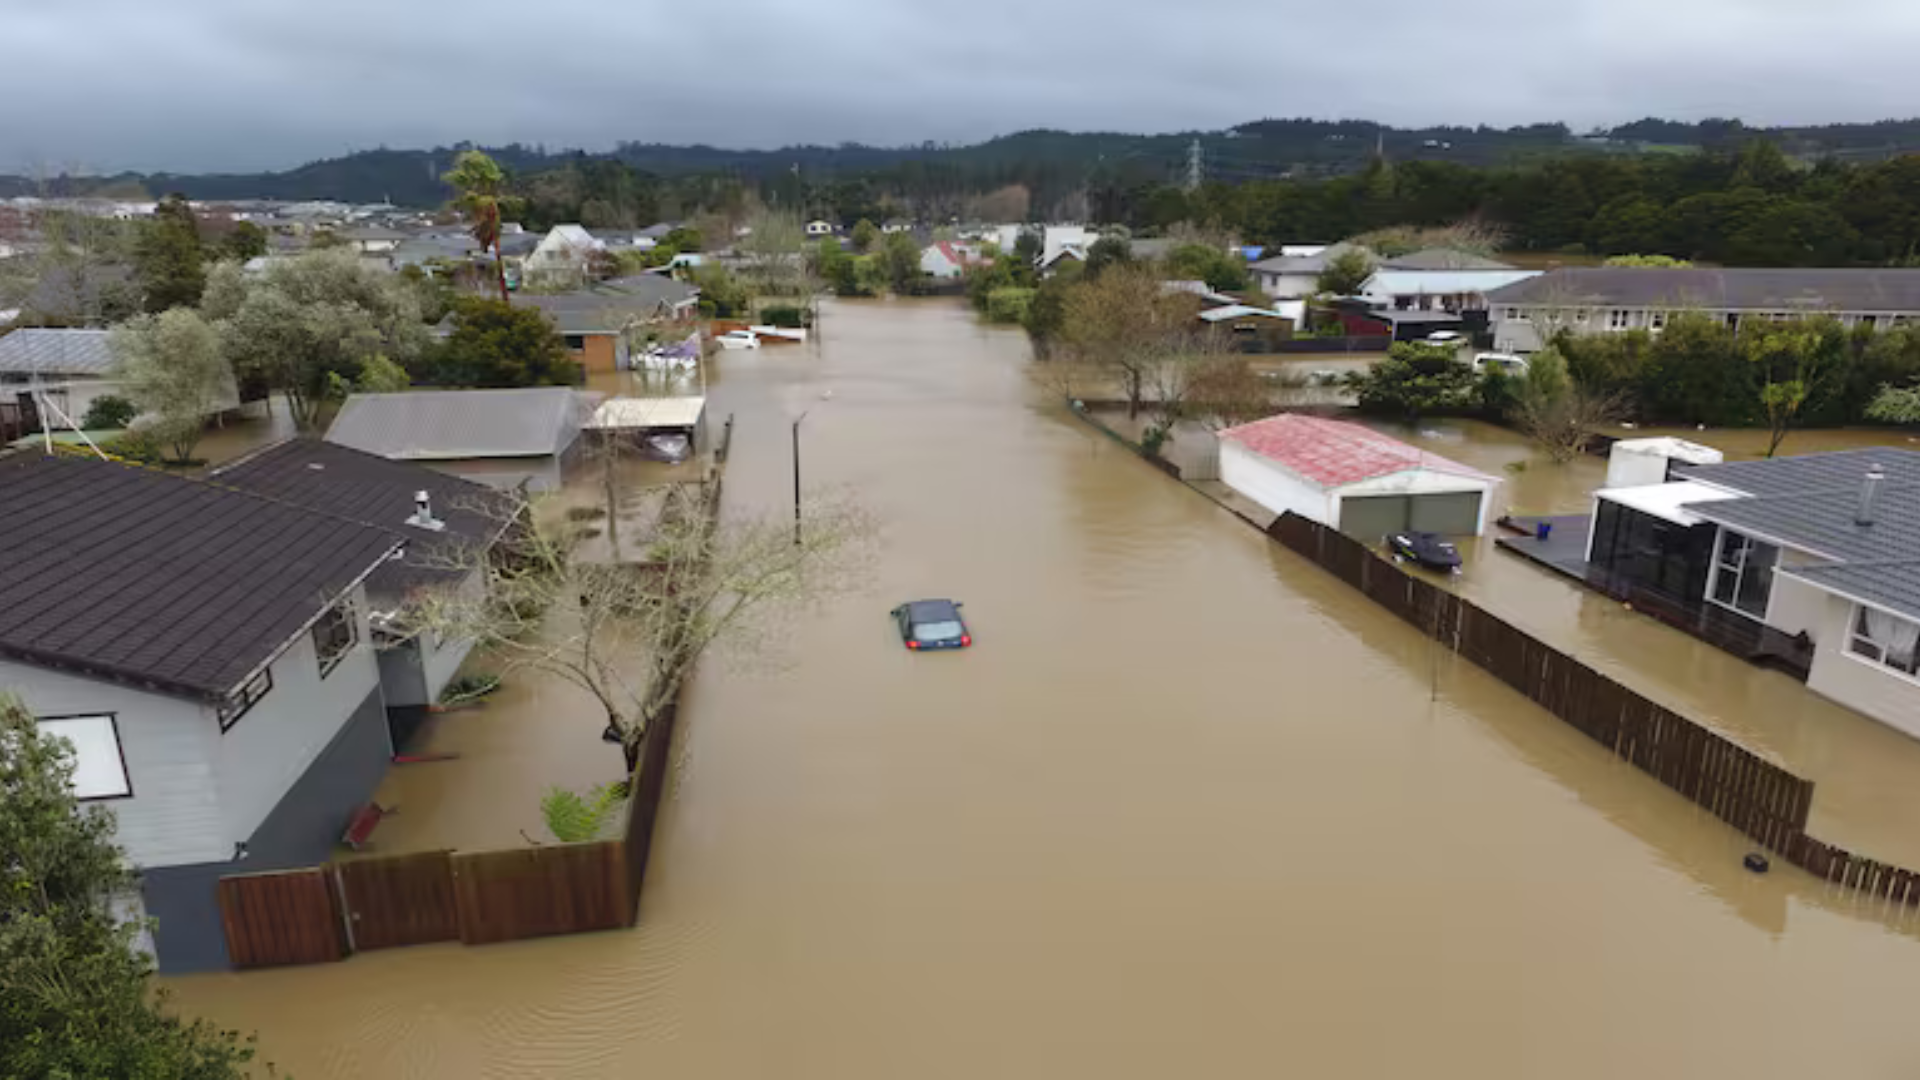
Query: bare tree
column 1128, row 323
column 630, row 631
column 1557, row 412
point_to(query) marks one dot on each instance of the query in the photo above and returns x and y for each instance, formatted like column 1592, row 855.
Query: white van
column 1507, row 364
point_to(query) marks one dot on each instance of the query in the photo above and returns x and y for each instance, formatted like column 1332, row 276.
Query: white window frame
column 1619, row 319
column 1862, row 648
column 1656, row 320
column 1740, row 573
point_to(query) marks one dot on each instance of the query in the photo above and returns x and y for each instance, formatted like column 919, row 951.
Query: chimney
column 1869, row 495
column 423, row 513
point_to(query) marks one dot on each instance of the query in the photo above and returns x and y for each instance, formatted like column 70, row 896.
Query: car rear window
column 936, row 631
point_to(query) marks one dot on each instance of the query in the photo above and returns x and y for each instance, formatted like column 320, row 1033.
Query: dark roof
column 375, row 491
column 1412, row 316
column 932, row 610
column 1869, row 290
column 1810, row 502
column 185, row 586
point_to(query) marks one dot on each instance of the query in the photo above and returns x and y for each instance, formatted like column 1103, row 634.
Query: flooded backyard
column 1189, row 807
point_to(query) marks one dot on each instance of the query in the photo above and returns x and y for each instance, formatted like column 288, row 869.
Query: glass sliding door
column 1743, row 573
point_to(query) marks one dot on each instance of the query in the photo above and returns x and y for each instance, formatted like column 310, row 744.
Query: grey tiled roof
column 56, row 352
column 426, row 425
column 376, row 491
column 1307, row 264
column 1739, row 289
column 1810, row 502
column 609, row 306
column 1894, row 585
column 185, row 586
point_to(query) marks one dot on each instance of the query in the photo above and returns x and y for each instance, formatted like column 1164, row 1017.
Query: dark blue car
column 932, row 624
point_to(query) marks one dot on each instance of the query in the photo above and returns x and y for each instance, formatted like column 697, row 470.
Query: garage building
column 1353, row 478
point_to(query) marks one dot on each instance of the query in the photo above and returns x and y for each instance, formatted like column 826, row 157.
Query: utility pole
column 1196, row 166
column 796, row 478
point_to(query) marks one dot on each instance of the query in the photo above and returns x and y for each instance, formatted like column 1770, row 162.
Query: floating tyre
column 1755, row 862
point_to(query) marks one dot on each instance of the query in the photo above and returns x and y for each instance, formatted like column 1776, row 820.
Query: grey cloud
column 251, row 84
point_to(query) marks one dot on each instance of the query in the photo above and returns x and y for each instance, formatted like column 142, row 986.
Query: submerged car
column 932, row 624
column 1425, row 549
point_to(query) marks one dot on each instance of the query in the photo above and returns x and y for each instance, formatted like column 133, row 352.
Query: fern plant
column 573, row 817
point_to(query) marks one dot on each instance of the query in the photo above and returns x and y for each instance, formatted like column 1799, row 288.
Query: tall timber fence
column 1762, row 800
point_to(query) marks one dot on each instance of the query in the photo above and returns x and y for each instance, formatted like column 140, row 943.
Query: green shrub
column 1009, row 305
column 108, row 411
column 789, row 316
column 136, row 445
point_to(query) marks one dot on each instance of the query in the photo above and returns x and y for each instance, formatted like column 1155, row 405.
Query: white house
column 67, row 370
column 1614, row 299
column 1352, row 478
column 1821, row 551
column 946, row 259
column 373, row 239
column 562, row 254
column 224, row 700
column 818, row 228
column 1435, row 279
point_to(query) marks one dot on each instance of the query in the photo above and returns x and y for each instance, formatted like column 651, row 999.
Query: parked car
column 739, row 339
column 1505, row 363
column 932, row 624
column 1425, row 549
column 1446, row 337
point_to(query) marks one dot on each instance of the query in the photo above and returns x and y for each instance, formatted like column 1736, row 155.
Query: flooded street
column 1189, row 807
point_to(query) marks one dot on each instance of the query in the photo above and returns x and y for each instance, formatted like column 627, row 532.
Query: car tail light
column 966, row 639
column 912, row 644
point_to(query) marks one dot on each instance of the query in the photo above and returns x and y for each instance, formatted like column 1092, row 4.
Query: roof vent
column 423, row 513
column 1869, row 495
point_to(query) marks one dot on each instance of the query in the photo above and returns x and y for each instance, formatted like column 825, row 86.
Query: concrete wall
column 171, row 747
column 301, row 830
column 1272, row 487
column 267, row 750
column 1859, row 683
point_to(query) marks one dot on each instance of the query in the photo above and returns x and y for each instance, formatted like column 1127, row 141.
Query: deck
column 1565, row 553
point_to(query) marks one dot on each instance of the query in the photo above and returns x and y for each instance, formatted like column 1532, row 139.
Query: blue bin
column 1543, row 530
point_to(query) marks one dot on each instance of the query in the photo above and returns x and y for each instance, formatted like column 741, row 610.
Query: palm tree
column 479, row 182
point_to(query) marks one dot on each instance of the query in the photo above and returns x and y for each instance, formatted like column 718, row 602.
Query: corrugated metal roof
column 661, row 412
column 1334, row 453
column 183, row 585
column 56, row 352
column 426, row 425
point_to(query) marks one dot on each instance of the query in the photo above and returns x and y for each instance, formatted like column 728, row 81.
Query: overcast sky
column 205, row 85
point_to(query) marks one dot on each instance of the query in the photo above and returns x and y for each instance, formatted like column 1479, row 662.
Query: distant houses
column 1597, row 300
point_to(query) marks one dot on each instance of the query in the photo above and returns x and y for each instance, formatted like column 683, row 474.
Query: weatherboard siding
column 1857, row 683
column 266, row 751
column 170, row 746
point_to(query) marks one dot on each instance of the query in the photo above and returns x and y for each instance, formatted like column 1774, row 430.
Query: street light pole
column 796, row 478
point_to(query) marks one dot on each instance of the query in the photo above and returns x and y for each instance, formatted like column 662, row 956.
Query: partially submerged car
column 1425, row 549
column 932, row 624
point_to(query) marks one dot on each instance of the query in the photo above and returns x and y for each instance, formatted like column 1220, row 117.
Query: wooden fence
column 1762, row 800
column 321, row 913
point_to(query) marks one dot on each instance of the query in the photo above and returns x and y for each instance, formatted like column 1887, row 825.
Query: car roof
column 932, row 610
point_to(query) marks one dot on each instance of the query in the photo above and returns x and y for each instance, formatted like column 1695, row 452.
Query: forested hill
column 1049, row 163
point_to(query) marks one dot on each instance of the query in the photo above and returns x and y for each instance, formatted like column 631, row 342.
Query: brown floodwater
column 1189, row 807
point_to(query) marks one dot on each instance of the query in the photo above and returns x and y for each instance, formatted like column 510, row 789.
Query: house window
column 1868, row 321
column 576, row 342
column 1617, row 319
column 335, row 635
column 1887, row 639
column 99, row 766
column 1656, row 320
column 238, row 702
column 1743, row 574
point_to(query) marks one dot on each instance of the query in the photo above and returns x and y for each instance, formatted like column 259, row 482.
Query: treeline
column 1747, row 207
